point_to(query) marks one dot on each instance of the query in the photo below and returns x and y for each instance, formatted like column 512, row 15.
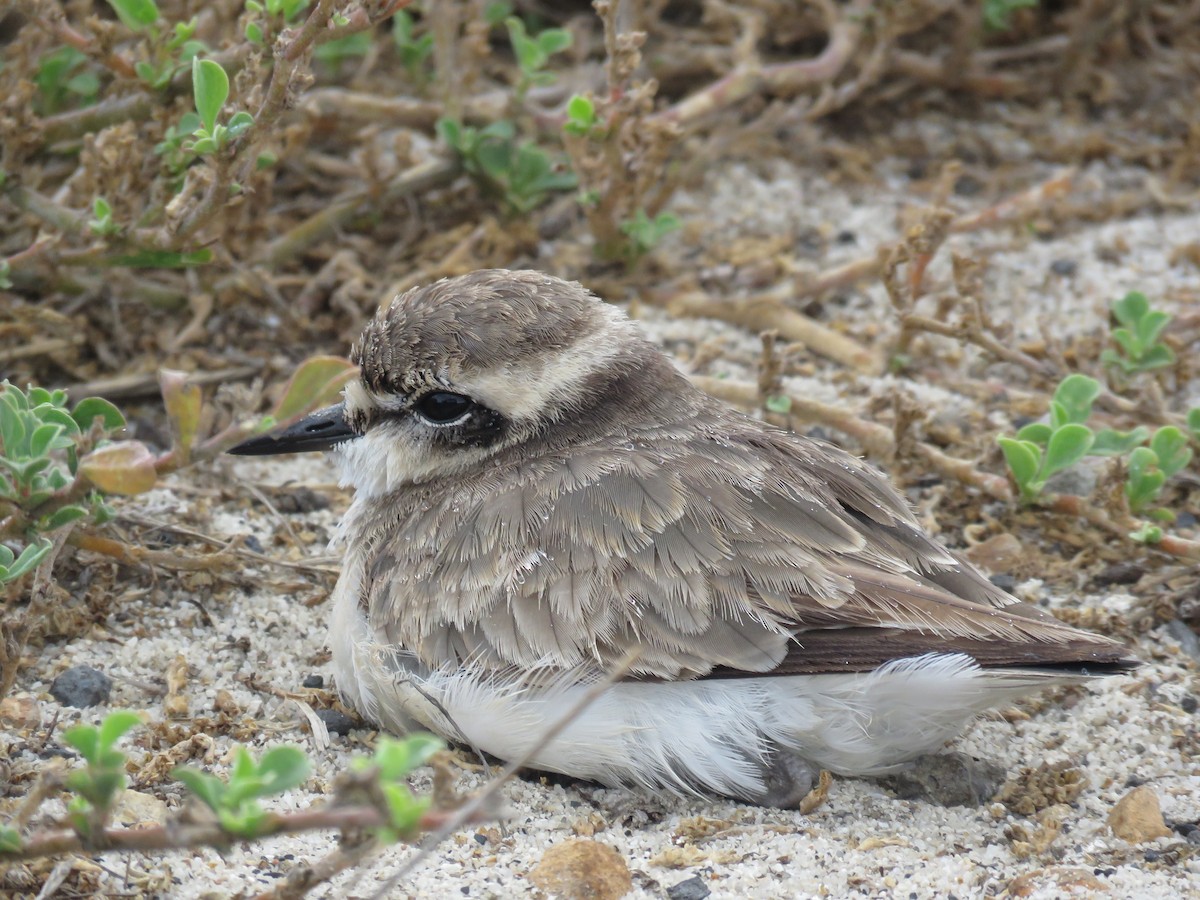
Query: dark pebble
column 313, row 681
column 1151, row 856
column 846, row 237
column 1004, row 582
column 336, row 721
column 1064, row 267
column 692, row 888
column 1189, row 703
column 480, row 839
column 1185, row 520
column 253, row 543
column 81, row 686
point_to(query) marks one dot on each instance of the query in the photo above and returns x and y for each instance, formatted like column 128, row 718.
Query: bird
column 540, row 493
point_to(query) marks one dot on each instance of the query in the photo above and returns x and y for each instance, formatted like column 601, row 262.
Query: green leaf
column 778, row 403
column 1067, row 446
column 208, row 788
column 1024, row 460
column 554, row 40
column 239, row 123
column 135, row 14
column 1035, row 433
column 88, row 410
column 1193, row 422
column 1151, row 325
column 85, row 739
column 1147, row 534
column 1157, row 357
column 33, row 554
column 1170, row 445
column 116, row 724
column 1110, row 442
column 1077, row 393
column 10, row 840
column 46, row 438
column 283, row 768
column 210, row 86
column 254, row 33
column 581, row 115
column 1145, row 479
column 6, row 556
column 62, row 516
column 1130, row 309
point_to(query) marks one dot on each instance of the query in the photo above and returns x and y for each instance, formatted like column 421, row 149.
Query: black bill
column 317, row 431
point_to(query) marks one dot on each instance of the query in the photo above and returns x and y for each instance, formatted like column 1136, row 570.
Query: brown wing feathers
column 749, row 552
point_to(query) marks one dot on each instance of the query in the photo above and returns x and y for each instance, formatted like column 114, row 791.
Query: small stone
column 1064, row 267
column 582, row 869
column 313, row 681
column 81, row 686
column 999, row 553
column 336, row 721
column 1137, row 817
column 692, row 888
column 135, row 808
column 947, row 779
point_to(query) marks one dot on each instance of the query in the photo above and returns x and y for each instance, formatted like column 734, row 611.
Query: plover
column 538, row 489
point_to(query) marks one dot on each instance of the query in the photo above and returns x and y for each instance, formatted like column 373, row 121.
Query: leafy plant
column 102, row 220
column 581, row 115
column 533, row 53
column 40, row 443
column 1150, row 467
column 393, row 762
column 644, row 233
column 62, row 76
column 1138, row 340
column 414, row 51
column 1041, row 449
column 210, row 88
column 519, row 175
column 236, row 802
column 98, row 784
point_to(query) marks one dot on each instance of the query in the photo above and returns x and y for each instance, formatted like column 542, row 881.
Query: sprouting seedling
column 1151, row 467
column 413, row 50
column 521, row 175
column 533, row 52
column 98, row 784
column 1138, row 339
column 210, row 88
column 1041, row 449
column 644, row 233
column 393, row 762
column 235, row 802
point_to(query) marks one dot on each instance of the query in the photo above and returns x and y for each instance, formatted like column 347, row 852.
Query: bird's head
column 457, row 371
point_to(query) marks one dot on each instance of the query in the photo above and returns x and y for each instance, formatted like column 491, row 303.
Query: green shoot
column 414, row 51
column 236, row 802
column 644, row 233
column 102, row 779
column 521, row 176
column 997, row 14
column 1138, row 340
column 533, row 53
column 210, row 88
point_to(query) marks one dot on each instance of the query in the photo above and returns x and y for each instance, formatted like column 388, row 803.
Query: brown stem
column 180, row 836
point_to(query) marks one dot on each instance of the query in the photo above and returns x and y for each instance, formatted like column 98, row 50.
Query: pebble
column 336, row 721
column 313, row 681
column 81, row 686
column 692, row 888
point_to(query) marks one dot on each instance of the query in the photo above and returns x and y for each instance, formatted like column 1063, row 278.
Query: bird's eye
column 443, row 407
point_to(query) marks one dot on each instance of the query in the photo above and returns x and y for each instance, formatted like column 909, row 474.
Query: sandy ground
column 864, row 840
